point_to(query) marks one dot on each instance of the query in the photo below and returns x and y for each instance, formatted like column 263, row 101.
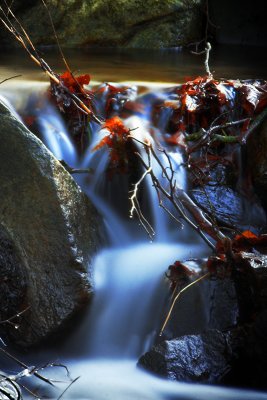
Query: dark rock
column 238, row 22
column 12, row 280
column 210, row 304
column 249, row 366
column 257, row 161
column 230, row 208
column 202, row 358
column 233, row 350
column 132, row 23
column 49, row 234
column 222, row 304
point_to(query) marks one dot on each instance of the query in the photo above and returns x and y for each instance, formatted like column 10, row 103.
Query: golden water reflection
column 120, row 65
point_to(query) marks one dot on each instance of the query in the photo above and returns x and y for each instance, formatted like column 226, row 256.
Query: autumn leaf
column 74, row 83
column 118, row 143
column 178, row 273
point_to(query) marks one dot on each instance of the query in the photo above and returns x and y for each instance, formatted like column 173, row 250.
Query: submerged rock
column 131, row 23
column 49, row 233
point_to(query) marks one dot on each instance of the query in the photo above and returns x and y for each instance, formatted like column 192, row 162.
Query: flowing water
column 131, row 293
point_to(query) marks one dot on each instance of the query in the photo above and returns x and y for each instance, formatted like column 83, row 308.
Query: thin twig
column 177, row 297
column 176, row 196
column 135, row 207
column 35, row 373
column 257, row 121
column 28, row 46
column 11, row 77
column 72, row 382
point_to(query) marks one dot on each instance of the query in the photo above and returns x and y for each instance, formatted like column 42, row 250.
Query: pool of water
column 161, row 66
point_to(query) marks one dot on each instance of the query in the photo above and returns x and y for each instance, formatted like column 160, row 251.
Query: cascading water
column 130, row 296
column 129, row 291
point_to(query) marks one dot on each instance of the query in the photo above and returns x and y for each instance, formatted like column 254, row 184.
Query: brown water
column 117, row 65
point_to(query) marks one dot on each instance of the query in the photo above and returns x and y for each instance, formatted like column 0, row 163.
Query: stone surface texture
column 49, row 234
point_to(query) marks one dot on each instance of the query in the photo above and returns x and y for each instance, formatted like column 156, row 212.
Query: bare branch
column 135, row 206
column 26, row 43
column 179, row 200
column 257, row 121
column 67, row 388
column 35, row 373
column 11, row 319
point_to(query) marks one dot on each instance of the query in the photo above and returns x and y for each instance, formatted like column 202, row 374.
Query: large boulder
column 232, row 348
column 237, row 356
column 49, row 232
column 131, row 23
column 202, row 358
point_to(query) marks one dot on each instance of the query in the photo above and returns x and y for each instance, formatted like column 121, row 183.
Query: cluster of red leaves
column 118, row 143
column 197, row 104
column 235, row 251
column 201, row 101
column 75, row 84
column 246, row 241
column 75, row 117
column 179, row 274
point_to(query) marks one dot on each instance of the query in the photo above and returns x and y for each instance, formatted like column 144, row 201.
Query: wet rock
column 257, row 161
column 251, row 366
column 12, row 281
column 231, row 348
column 210, row 304
column 132, row 23
column 202, row 358
column 49, row 233
column 230, row 208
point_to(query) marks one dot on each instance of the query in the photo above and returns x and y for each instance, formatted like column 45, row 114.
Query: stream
column 131, row 293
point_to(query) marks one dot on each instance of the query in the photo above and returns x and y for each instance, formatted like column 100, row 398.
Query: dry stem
column 24, row 39
column 176, row 196
column 177, row 297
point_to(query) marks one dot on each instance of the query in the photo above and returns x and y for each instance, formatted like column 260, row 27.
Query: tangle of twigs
column 183, row 205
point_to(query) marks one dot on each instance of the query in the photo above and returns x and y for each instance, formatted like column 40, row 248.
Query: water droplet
column 16, row 326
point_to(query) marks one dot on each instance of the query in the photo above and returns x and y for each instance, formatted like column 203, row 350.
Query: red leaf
column 73, row 83
column 116, row 141
column 247, row 235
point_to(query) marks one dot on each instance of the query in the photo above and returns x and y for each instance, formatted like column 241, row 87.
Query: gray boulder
column 49, row 232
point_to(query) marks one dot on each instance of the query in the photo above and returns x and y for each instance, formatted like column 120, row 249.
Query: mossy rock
column 126, row 23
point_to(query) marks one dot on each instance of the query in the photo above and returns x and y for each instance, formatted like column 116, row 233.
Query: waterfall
column 129, row 281
column 130, row 294
column 55, row 135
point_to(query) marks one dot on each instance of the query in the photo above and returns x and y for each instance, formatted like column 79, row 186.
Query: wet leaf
column 118, row 143
column 73, row 83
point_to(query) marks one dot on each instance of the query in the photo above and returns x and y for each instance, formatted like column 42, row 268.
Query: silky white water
column 130, row 299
